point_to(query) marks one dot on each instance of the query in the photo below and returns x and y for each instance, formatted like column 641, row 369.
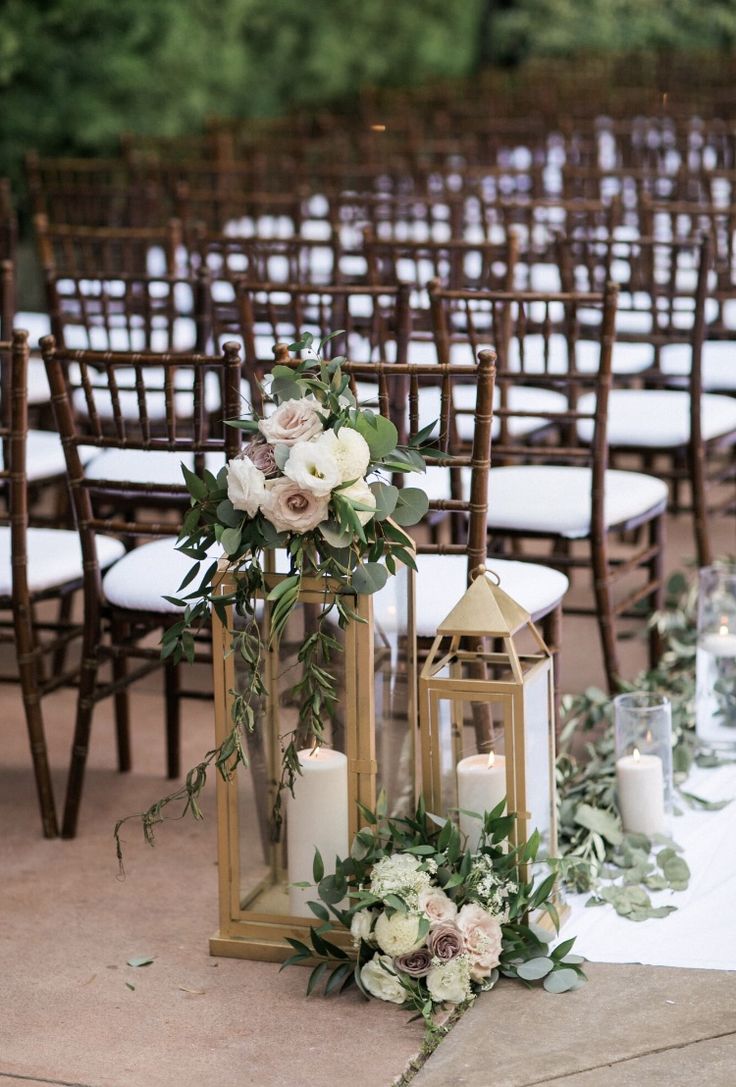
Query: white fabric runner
column 702, row 932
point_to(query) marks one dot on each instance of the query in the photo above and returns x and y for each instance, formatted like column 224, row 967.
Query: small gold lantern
column 486, row 712
column 259, row 869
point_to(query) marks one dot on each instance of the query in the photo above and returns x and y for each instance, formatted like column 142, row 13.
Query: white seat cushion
column 557, row 499
column 37, row 325
column 54, row 557
column 44, row 456
column 156, row 466
column 628, row 358
column 718, row 363
column 519, row 398
column 141, row 579
column 155, row 400
column 658, row 418
column 442, row 580
column 38, row 384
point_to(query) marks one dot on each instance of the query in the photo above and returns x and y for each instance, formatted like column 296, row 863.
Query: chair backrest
column 372, row 323
column 540, row 374
column 130, row 312
column 14, row 355
column 308, row 261
column 108, row 251
column 171, row 394
column 455, row 263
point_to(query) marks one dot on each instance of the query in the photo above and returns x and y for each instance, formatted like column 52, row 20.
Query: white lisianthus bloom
column 312, row 467
column 398, row 934
column 439, row 907
column 246, row 485
column 361, row 492
column 360, row 926
column 450, row 981
column 379, row 982
column 350, row 451
column 293, row 421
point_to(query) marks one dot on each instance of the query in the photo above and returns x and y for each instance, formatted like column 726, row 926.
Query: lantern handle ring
column 483, row 571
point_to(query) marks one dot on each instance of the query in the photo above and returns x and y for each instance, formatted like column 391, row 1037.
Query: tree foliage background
column 76, row 73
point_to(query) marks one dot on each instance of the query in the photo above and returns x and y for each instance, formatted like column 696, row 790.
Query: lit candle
column 481, row 785
column 317, row 818
column 722, row 644
column 641, row 793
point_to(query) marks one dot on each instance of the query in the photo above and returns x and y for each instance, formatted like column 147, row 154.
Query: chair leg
column 604, row 608
column 63, row 617
column 83, row 727
column 656, row 577
column 26, row 647
column 698, row 486
column 119, row 631
column 173, row 729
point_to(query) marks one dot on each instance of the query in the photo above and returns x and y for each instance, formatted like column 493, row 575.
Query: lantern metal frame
column 260, row 933
column 486, row 614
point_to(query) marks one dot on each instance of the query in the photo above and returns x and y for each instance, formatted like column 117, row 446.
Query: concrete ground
column 73, row 1013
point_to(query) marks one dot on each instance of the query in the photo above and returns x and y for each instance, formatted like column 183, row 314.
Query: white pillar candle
column 641, row 793
column 481, row 785
column 316, row 818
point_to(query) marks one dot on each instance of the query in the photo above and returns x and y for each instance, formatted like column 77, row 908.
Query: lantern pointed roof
column 485, row 610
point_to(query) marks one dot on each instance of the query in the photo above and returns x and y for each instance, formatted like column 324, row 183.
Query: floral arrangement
column 432, row 923
column 314, row 480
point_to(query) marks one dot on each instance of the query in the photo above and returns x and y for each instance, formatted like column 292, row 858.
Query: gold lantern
column 486, row 712
column 260, row 901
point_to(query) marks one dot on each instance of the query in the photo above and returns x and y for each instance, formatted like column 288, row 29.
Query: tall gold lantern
column 260, row 904
column 486, row 713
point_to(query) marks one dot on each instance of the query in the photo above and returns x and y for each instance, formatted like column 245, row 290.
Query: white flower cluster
column 318, row 463
column 491, row 889
column 450, row 981
column 402, row 874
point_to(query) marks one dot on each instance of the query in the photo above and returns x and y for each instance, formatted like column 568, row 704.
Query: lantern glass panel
column 323, row 812
column 538, row 753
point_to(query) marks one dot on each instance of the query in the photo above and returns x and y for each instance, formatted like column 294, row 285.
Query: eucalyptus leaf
column 562, row 981
column 601, row 822
column 411, row 506
column 535, row 969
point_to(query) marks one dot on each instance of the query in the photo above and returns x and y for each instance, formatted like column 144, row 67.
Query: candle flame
column 314, row 752
column 723, row 628
column 378, row 128
column 648, row 738
column 636, row 754
column 491, row 759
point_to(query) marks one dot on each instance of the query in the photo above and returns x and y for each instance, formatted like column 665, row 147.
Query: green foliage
column 526, row 950
column 74, row 74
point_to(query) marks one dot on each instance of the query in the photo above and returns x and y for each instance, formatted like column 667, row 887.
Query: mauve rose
column 290, row 509
column 262, row 455
column 445, row 942
column 293, row 421
column 416, row 964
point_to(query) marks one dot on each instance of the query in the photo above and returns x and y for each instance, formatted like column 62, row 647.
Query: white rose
column 381, row 984
column 398, row 934
column 350, row 451
column 450, row 981
column 293, row 421
column 246, row 485
column 438, row 906
column 313, row 468
column 360, row 926
column 361, row 492
column 290, row 508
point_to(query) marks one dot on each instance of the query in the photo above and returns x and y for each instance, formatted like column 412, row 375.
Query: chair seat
column 554, row 499
column 442, row 580
column 659, row 418
column 718, row 364
column 44, row 456
column 37, row 325
column 141, row 579
column 54, row 558
column 156, row 466
column 38, row 384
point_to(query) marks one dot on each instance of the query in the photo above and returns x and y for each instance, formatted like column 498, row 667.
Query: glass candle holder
column 644, row 761
column 716, row 658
